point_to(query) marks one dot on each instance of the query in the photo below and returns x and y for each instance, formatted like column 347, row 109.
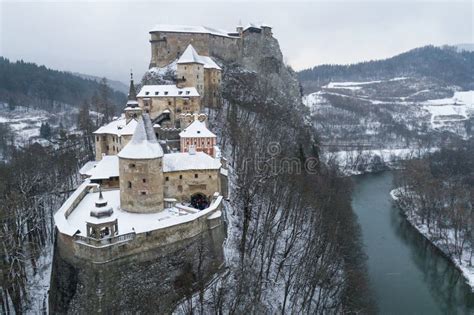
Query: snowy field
column 412, row 104
column 25, row 122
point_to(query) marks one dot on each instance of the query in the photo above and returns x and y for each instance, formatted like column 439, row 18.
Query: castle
column 158, row 177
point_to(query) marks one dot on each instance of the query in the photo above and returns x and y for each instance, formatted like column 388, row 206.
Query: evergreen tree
column 84, row 121
column 11, row 103
column 45, row 130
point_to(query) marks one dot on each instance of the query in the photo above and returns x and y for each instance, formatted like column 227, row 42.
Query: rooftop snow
column 167, row 91
column 189, row 29
column 87, row 168
column 197, row 129
column 191, row 56
column 175, row 162
column 118, row 127
column 106, row 168
column 143, row 144
column 127, row 221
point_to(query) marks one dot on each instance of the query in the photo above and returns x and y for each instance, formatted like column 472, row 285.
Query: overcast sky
column 108, row 38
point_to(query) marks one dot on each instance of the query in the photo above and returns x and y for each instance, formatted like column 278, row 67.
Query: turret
column 102, row 222
column 141, row 170
column 132, row 110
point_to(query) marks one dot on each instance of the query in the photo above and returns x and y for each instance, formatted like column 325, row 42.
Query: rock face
column 151, row 282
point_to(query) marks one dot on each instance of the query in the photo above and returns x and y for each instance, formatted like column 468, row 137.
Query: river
column 406, row 273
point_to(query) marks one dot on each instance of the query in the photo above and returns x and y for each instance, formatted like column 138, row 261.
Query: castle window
column 143, row 192
column 184, row 69
column 197, row 76
column 131, row 165
column 107, row 147
column 169, row 103
column 97, row 138
column 187, row 92
column 180, row 176
column 195, row 175
column 180, row 188
column 167, row 178
column 144, row 180
column 210, row 176
column 130, row 185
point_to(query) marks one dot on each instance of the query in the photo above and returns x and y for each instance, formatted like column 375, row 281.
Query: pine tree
column 45, row 130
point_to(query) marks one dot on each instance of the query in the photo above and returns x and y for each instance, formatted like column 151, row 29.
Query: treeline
column 33, row 184
column 445, row 64
column 27, row 84
column 437, row 193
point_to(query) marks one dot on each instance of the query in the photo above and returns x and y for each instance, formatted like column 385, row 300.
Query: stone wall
column 212, row 91
column 182, row 185
column 141, row 185
column 168, row 46
column 149, row 282
column 191, row 75
column 177, row 105
column 109, row 144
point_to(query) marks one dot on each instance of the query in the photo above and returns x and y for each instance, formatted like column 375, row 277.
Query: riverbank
column 465, row 264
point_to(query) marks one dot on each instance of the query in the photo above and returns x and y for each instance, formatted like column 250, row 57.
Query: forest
column 445, row 64
column 28, row 84
column 436, row 193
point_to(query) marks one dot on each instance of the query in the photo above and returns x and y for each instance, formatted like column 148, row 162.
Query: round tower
column 141, row 170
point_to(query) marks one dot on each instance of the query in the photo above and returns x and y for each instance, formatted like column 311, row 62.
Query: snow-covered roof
column 197, row 129
column 118, row 127
column 174, row 162
column 167, row 91
column 255, row 25
column 106, row 168
column 191, row 56
column 127, row 221
column 143, row 144
column 87, row 168
column 189, row 29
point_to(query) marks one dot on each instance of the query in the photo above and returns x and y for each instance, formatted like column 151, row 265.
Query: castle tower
column 141, row 170
column 190, row 70
column 132, row 110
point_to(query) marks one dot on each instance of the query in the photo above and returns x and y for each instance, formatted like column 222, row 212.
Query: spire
column 101, row 208
column 132, row 93
column 143, row 144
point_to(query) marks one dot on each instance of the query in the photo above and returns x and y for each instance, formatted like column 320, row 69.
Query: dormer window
column 156, row 93
column 187, row 92
column 180, row 92
column 147, row 93
column 166, row 92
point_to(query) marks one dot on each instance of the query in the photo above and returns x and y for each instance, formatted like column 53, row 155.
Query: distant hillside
column 467, row 47
column 31, row 85
column 444, row 64
column 114, row 85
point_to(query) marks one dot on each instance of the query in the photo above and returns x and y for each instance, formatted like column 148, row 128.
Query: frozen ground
column 390, row 113
column 25, row 122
